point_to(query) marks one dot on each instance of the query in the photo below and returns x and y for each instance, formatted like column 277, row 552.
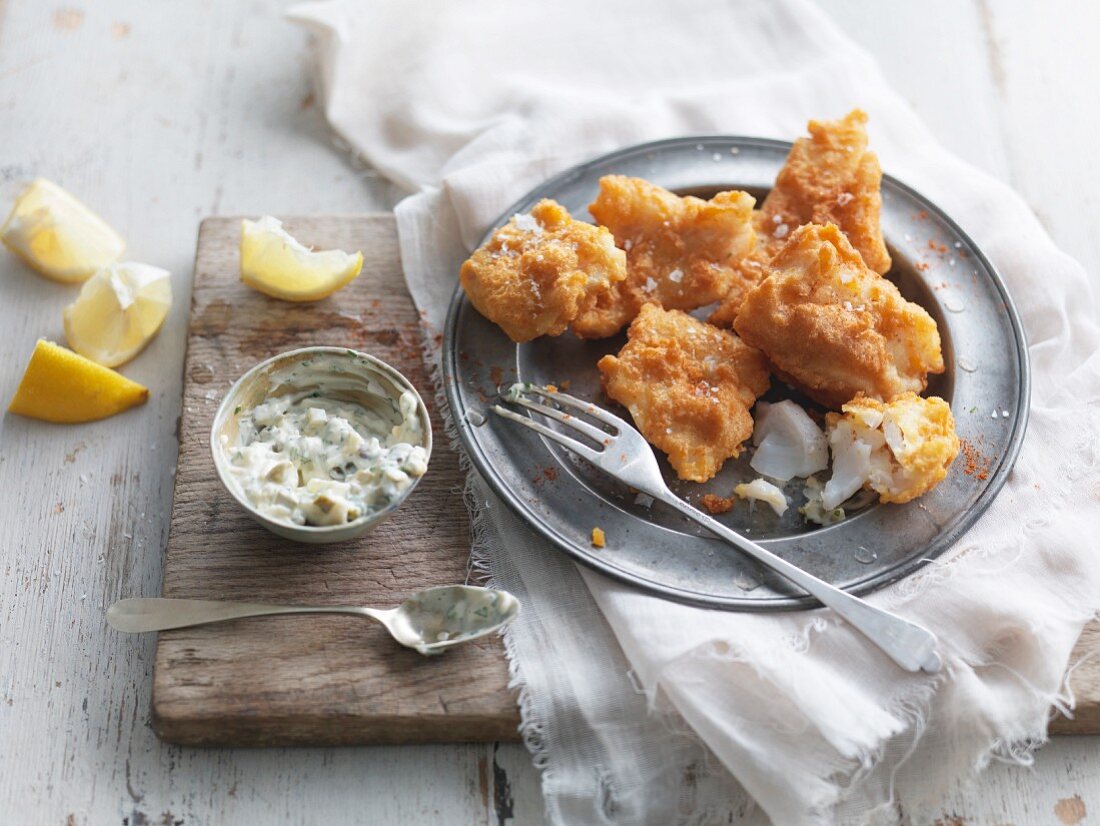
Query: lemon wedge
column 277, row 265
column 118, row 311
column 61, row 386
column 59, row 236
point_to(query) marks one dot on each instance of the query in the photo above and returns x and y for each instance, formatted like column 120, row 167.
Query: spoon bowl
column 429, row 621
column 434, row 619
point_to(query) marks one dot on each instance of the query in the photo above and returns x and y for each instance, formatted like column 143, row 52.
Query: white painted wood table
column 161, row 113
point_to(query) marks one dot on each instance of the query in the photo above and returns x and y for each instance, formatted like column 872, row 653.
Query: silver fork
column 626, row 455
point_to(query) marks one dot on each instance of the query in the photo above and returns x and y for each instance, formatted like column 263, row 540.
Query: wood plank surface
column 1084, row 682
column 313, row 679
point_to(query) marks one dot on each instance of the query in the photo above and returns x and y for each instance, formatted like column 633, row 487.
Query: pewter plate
column 563, row 498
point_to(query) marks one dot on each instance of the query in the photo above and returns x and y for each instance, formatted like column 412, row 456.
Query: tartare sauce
column 317, row 461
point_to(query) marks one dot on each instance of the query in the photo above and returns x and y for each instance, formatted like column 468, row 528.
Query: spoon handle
column 157, row 614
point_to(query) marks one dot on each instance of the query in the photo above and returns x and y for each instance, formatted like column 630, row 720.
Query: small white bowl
column 339, row 373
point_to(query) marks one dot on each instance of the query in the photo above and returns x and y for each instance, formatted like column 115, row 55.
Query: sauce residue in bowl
column 446, row 614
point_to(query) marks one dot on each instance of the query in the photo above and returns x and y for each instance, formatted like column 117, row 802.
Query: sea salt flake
column 526, row 223
column 776, row 219
column 734, row 150
column 676, row 275
column 627, row 244
column 650, row 285
column 643, row 500
column 717, row 156
column 845, row 198
column 781, row 231
column 967, row 366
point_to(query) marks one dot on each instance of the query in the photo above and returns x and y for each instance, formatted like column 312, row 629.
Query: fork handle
column 907, row 644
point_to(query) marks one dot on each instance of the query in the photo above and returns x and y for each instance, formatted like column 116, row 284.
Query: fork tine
column 593, row 410
column 565, row 441
column 597, row 435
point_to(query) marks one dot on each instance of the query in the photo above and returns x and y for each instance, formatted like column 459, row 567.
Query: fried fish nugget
column 540, row 271
column 682, row 253
column 829, row 177
column 832, row 178
column 900, row 450
column 689, row 386
column 834, row 328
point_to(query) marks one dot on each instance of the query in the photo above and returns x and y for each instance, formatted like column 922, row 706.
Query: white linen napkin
column 467, row 106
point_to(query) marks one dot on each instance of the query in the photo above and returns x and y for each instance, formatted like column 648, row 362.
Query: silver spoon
column 429, row 621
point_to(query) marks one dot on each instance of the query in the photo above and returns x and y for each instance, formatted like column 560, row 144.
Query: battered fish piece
column 681, row 253
column 832, row 178
column 540, row 271
column 828, row 178
column 688, row 386
column 900, row 450
column 834, row 328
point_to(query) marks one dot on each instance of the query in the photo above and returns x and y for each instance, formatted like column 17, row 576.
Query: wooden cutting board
column 324, row 679
column 313, row 679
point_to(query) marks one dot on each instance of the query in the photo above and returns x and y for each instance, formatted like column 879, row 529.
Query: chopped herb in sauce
column 317, row 461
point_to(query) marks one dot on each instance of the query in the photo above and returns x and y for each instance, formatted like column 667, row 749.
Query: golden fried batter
column 681, row 253
column 751, row 271
column 689, row 387
column 834, row 328
column 829, row 177
column 540, row 271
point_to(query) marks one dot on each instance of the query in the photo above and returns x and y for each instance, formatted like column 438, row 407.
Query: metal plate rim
column 997, row 476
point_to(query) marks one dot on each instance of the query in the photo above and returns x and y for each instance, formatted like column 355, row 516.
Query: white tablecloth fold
column 467, row 106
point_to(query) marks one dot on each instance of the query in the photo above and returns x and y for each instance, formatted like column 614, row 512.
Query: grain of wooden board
column 319, row 679
column 313, row 679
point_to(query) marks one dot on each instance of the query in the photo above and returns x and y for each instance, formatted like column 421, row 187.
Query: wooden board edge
column 334, row 730
column 1083, row 722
